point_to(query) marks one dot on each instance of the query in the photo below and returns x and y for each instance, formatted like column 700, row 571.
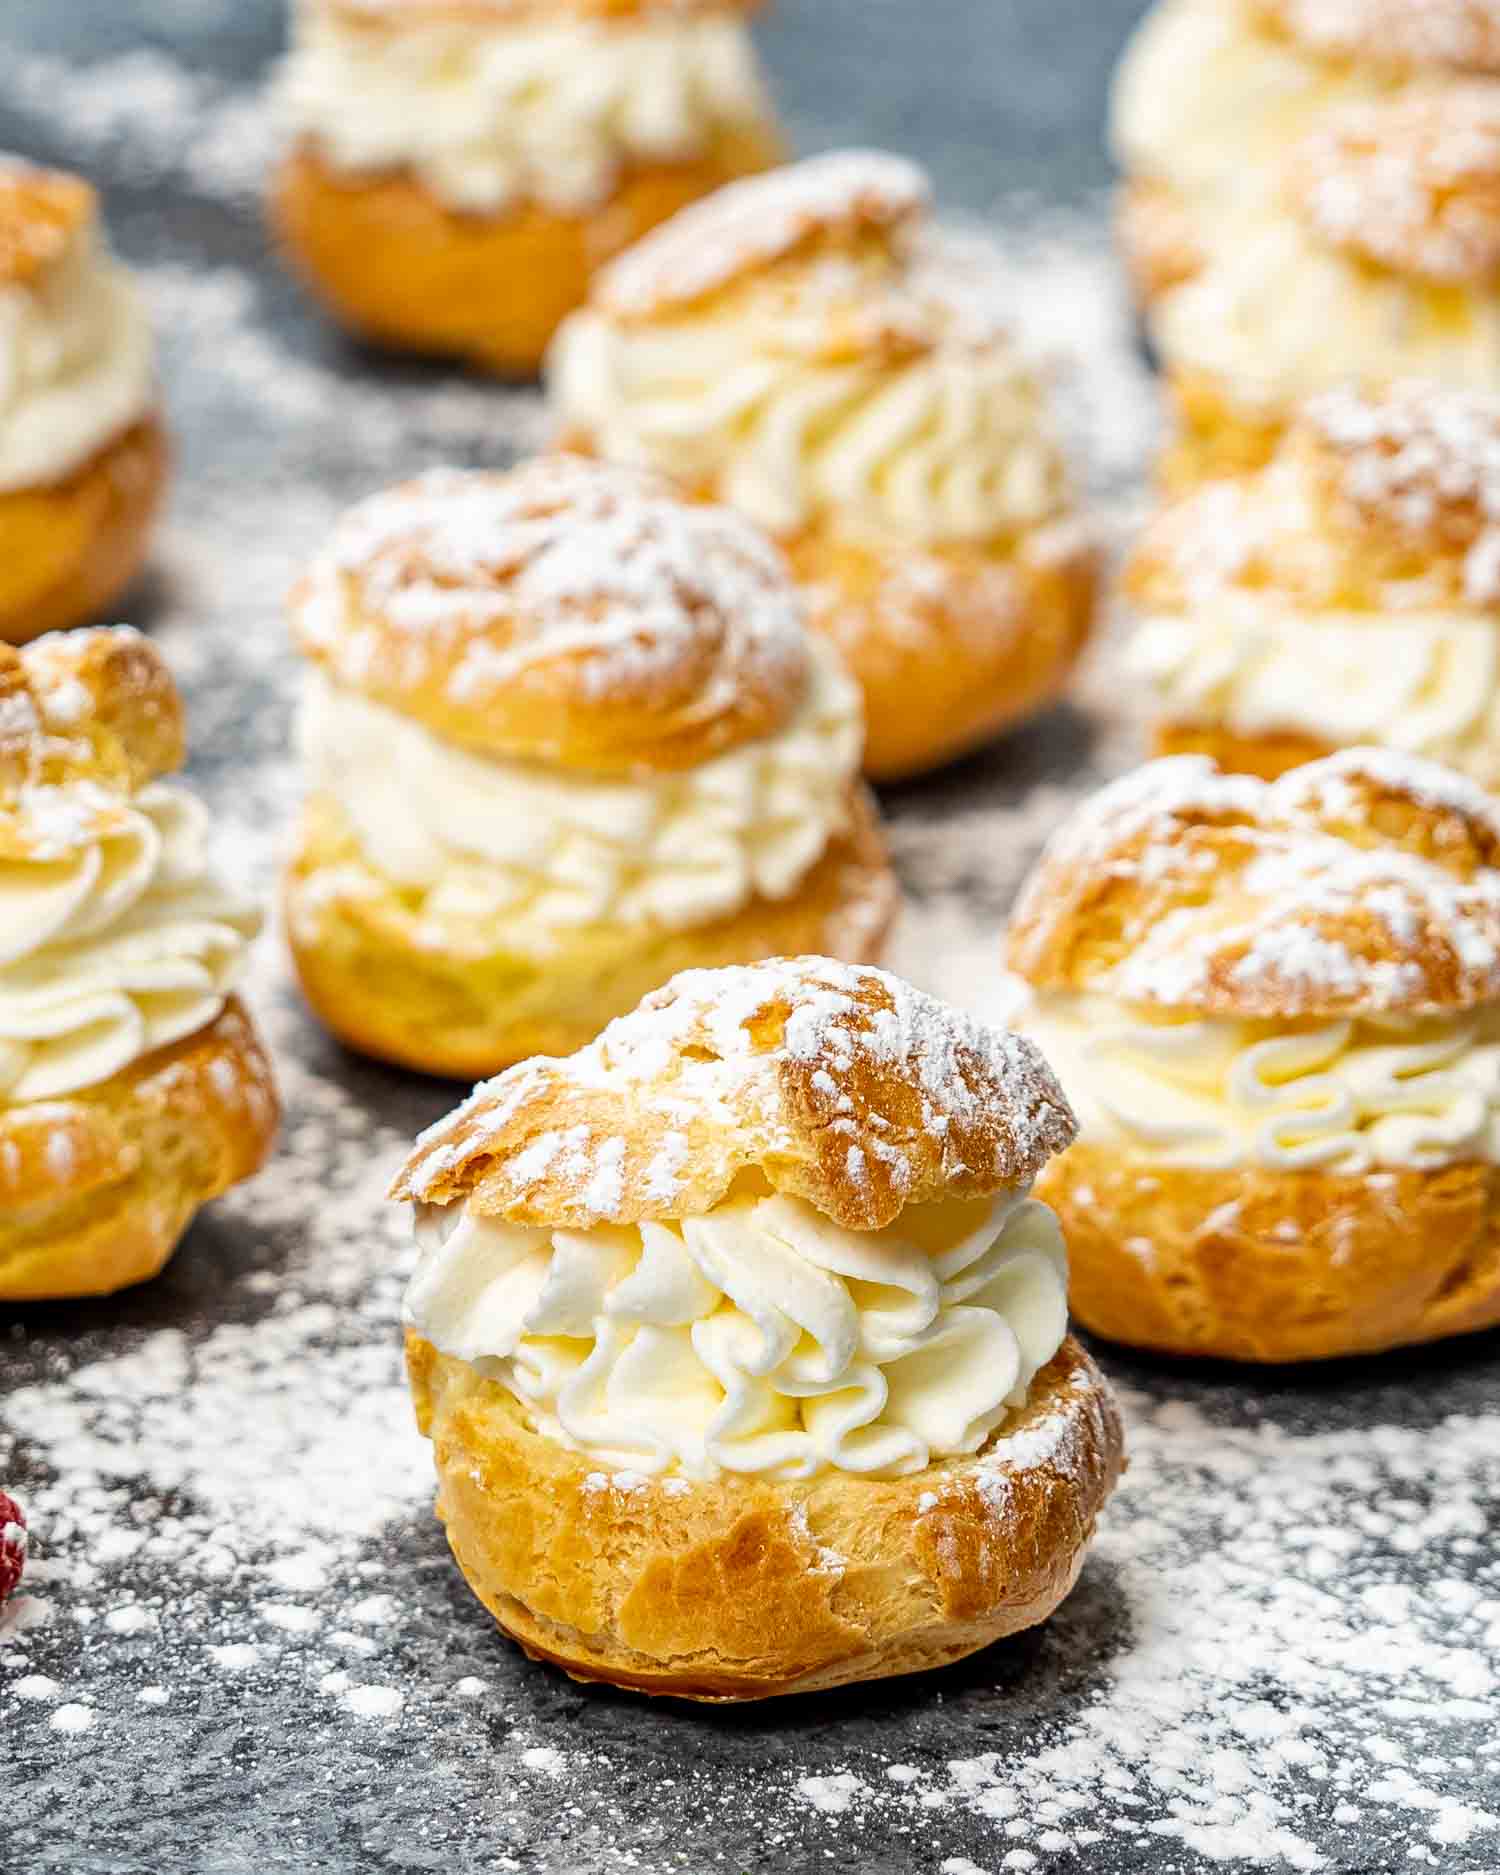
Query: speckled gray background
column 256, row 1771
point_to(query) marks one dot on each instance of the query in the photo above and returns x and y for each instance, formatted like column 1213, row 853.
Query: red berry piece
column 12, row 1544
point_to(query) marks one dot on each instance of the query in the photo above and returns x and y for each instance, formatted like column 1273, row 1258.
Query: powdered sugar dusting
column 1462, row 34
column 763, row 219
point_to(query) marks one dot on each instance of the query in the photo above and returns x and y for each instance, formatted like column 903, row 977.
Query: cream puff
column 1276, row 1007
column 83, row 453
column 1349, row 592
column 1379, row 261
column 133, row 1088
column 459, row 168
column 743, row 1349
column 808, row 348
column 566, row 734
column 1210, row 92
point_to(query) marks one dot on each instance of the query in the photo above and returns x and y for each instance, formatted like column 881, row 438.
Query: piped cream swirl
column 1277, row 316
column 1339, row 1096
column 520, row 854
column 1425, row 682
column 490, row 114
column 761, row 1338
column 119, row 949
column 949, row 444
column 76, row 364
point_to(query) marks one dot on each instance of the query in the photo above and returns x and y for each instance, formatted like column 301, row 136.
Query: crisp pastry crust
column 1268, row 757
column 951, row 647
column 1248, row 1264
column 1461, row 35
column 491, row 290
column 1157, row 238
column 846, row 1089
column 466, row 600
column 97, row 1190
column 1412, row 185
column 1363, row 884
column 743, row 1589
column 357, row 945
column 42, row 212
column 73, row 547
column 957, row 1110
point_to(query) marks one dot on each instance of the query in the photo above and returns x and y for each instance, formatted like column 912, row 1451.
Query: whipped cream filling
column 1425, row 682
column 1206, row 104
column 762, row 1338
column 116, row 951
column 517, row 855
column 1340, row 1096
column 75, row 365
column 488, row 115
column 947, row 446
column 1276, row 317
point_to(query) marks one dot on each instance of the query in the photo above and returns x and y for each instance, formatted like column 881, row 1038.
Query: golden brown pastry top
column 862, row 206
column 504, row 12
column 837, row 1084
column 1361, row 885
column 1369, row 493
column 568, row 611
column 1463, row 35
column 1411, row 184
column 41, row 214
column 86, row 718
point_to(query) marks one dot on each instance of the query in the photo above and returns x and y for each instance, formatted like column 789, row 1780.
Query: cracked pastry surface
column 1349, row 592
column 1277, row 1006
column 82, row 450
column 504, row 149
column 808, row 348
column 132, row 1086
column 565, row 733
column 750, row 1293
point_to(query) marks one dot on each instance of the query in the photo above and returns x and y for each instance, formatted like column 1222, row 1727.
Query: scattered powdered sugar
column 1282, row 1652
column 1462, row 34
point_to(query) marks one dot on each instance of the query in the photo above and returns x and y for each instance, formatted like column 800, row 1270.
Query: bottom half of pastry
column 741, row 1587
column 97, row 1188
column 1268, row 755
column 1215, row 435
column 395, row 264
column 391, row 984
column 1158, row 240
column 1255, row 1264
column 951, row 646
column 71, row 547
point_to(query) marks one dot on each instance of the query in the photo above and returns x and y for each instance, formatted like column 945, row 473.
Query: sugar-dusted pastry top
column 835, row 202
column 565, row 612
column 1411, row 184
column 1362, row 885
column 1383, row 499
column 1463, row 35
column 115, row 937
column 75, row 347
column 42, row 213
column 806, row 347
column 491, row 103
column 838, row 1085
